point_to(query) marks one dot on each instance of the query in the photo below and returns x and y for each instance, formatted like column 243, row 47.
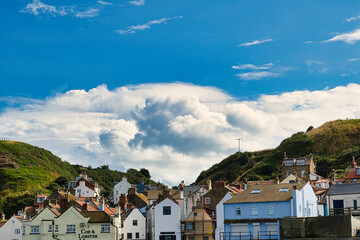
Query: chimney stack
column 85, row 207
column 2, row 216
column 220, row 184
column 123, row 201
column 132, row 191
column 353, row 163
column 208, row 184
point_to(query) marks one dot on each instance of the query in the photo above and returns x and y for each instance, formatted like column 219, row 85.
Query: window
column 70, row 228
column 79, row 190
column 289, row 163
column 270, row 210
column 35, row 230
column 238, row 211
column 207, row 200
column 254, row 211
column 56, row 228
column 284, row 190
column 256, row 191
column 357, row 171
column 50, row 228
column 105, row 228
column 23, row 227
column 289, row 172
column 17, row 231
column 190, row 226
column 166, row 210
column 122, row 223
column 137, row 235
column 355, row 204
column 122, row 236
column 129, row 235
column 300, row 162
column 303, row 173
column 134, row 222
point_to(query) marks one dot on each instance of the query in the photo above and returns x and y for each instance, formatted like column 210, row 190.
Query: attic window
column 357, row 171
column 284, row 190
column 300, row 162
column 256, row 191
column 289, row 163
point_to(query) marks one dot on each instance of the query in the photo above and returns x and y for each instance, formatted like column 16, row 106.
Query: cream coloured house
column 72, row 224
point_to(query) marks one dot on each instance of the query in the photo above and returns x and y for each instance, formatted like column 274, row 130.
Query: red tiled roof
column 352, row 174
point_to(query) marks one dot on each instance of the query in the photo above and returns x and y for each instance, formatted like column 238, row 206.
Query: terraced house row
column 245, row 210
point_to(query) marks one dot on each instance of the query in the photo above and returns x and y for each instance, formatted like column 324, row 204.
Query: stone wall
column 319, row 227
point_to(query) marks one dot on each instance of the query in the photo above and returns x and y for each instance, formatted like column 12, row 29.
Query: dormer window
column 256, row 191
column 300, row 162
column 289, row 163
column 357, row 171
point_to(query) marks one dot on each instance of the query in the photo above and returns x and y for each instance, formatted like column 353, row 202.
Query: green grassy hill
column 332, row 145
column 26, row 169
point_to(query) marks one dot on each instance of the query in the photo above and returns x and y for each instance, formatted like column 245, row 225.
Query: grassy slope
column 38, row 168
column 333, row 144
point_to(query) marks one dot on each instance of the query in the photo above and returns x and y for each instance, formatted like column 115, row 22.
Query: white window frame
column 284, row 190
column 34, row 229
column 301, row 162
column 105, row 228
column 70, row 228
column 238, row 211
column 289, row 163
column 270, row 210
column 207, row 200
column 17, row 231
column 254, row 211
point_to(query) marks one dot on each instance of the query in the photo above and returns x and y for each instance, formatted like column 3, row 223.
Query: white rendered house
column 220, row 216
column 120, row 188
column 163, row 219
column 12, row 229
column 133, row 225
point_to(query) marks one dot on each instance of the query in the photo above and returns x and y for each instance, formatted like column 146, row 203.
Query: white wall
column 220, row 216
column 7, row 231
column 120, row 188
column 130, row 228
column 306, row 202
column 167, row 223
column 85, row 191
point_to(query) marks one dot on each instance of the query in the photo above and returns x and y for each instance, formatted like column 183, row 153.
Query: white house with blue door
column 344, row 198
column 255, row 213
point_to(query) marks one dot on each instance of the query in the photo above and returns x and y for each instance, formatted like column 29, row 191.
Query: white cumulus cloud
column 138, row 2
column 175, row 130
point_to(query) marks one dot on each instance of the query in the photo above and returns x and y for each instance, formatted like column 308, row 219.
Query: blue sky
column 223, row 66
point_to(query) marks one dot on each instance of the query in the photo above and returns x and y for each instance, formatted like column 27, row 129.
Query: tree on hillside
column 145, row 172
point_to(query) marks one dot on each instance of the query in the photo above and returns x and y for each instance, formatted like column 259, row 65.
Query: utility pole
column 239, row 140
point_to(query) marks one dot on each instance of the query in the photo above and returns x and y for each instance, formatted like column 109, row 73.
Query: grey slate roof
column 340, row 189
column 192, row 189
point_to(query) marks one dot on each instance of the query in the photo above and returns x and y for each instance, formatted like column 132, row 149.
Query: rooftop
column 266, row 193
column 339, row 189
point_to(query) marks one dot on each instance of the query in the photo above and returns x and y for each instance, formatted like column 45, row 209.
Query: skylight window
column 284, row 190
column 256, row 191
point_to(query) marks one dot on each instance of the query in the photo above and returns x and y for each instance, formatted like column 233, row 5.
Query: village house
column 220, row 215
column 255, row 212
column 344, row 198
column 300, row 167
column 73, row 223
column 133, row 225
column 199, row 225
column 163, row 218
column 192, row 194
column 11, row 229
column 133, row 200
column 120, row 188
column 353, row 176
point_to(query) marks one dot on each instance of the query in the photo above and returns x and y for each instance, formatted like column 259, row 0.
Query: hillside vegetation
column 26, row 169
column 333, row 144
